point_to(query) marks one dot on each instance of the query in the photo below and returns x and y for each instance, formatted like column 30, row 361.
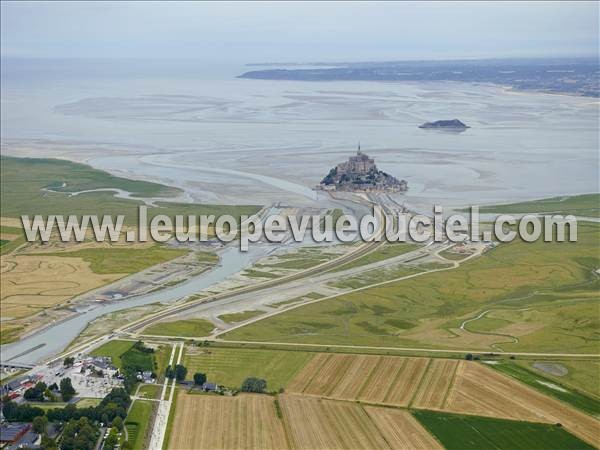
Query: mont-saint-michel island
column 197, row 254
column 360, row 174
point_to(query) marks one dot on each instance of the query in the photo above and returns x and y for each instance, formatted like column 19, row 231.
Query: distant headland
column 573, row 76
column 360, row 174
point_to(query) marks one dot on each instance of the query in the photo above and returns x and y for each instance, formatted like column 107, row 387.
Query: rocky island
column 360, row 174
column 452, row 125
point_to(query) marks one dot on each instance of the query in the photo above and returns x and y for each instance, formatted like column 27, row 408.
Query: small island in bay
column 360, row 174
column 452, row 125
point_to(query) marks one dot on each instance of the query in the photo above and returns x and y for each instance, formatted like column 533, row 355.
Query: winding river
column 54, row 339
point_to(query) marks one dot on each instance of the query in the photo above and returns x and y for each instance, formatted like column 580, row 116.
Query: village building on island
column 360, row 174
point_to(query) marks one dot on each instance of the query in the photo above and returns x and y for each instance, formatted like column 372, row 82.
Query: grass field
column 149, row 391
column 458, row 432
column 87, row 402
column 10, row 238
column 388, row 250
column 24, row 181
column 138, row 422
column 586, row 205
column 374, row 276
column 240, row 317
column 48, row 405
column 552, row 387
column 555, row 282
column 162, row 354
column 83, row 403
column 114, row 349
column 181, row 328
column 216, row 422
column 119, row 260
column 9, row 333
column 140, row 361
column 230, row 367
column 582, row 375
column 302, row 258
column 123, row 353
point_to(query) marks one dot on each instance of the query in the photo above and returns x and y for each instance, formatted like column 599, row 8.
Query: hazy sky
column 298, row 31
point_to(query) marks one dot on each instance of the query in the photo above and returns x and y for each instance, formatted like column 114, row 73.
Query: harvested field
column 325, row 424
column 382, row 379
column 436, row 383
column 373, row 379
column 407, row 381
column 401, row 430
column 329, row 375
column 356, row 376
column 308, row 372
column 215, row 422
column 31, row 283
column 481, row 391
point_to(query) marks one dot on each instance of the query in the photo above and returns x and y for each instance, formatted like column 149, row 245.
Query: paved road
column 410, row 349
column 166, row 399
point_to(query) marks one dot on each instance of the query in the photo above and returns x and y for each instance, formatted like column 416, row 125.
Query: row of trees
column 179, row 372
column 113, row 406
column 42, row 392
column 253, row 384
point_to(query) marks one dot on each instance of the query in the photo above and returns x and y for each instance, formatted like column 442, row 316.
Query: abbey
column 360, row 174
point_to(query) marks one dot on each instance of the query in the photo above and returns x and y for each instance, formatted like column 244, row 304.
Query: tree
column 20, row 413
column 40, row 423
column 49, row 395
column 199, row 378
column 111, row 440
column 36, row 393
column 253, row 384
column 180, row 372
column 169, row 372
column 117, row 423
column 48, row 444
column 67, row 391
column 69, row 361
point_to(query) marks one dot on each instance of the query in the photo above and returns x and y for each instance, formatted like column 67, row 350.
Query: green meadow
column 137, row 422
column 240, row 317
column 459, row 432
column 181, row 328
column 123, row 353
column 585, row 205
column 114, row 349
column 26, row 183
column 552, row 387
column 582, row 374
column 231, row 366
column 120, row 259
column 547, row 293
column 386, row 251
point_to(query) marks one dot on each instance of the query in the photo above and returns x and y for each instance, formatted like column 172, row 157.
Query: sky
column 298, row 31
